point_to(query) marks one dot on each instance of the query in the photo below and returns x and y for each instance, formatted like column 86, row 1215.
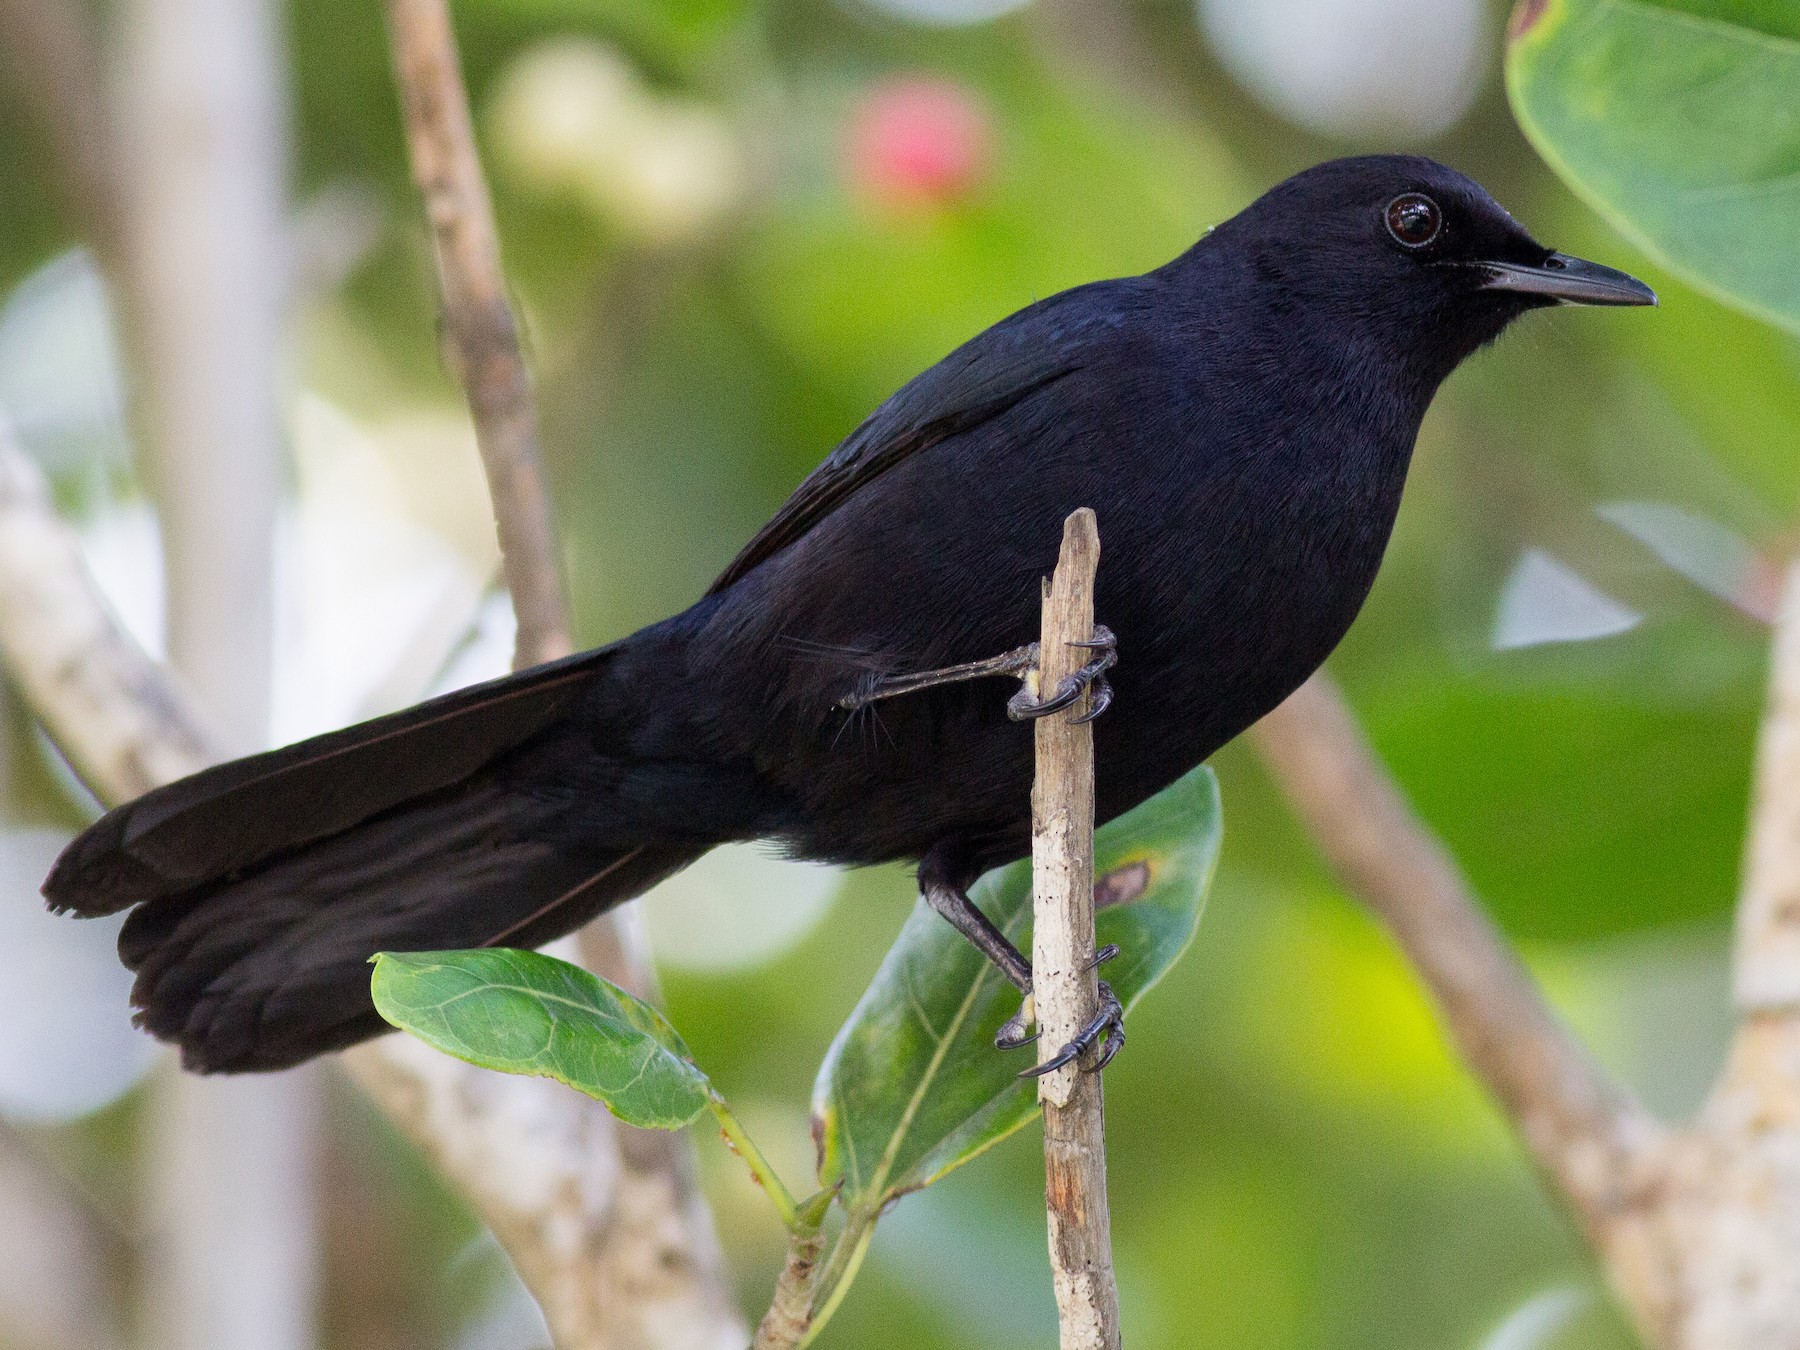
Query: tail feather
column 483, row 819
column 235, row 815
column 269, row 969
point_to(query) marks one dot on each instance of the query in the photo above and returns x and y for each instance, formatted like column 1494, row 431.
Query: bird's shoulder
column 981, row 380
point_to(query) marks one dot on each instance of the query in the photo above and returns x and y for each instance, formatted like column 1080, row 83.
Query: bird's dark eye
column 1414, row 219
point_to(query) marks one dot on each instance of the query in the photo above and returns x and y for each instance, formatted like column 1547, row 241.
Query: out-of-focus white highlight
column 739, row 906
column 69, row 1046
column 944, row 13
column 1714, row 557
column 370, row 603
column 572, row 116
column 1388, row 68
column 1537, row 1323
column 59, row 366
column 1545, row 601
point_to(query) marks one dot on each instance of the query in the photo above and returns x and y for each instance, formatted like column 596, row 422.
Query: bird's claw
column 1013, row 1033
column 1108, row 1022
column 1026, row 706
column 1103, row 697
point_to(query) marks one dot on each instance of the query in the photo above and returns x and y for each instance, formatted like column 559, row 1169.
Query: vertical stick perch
column 1064, row 985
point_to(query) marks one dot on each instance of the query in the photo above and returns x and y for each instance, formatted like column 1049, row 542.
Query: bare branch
column 482, row 332
column 605, row 1235
column 1585, row 1132
column 1064, row 986
column 1732, row 1221
column 121, row 724
column 791, row 1311
column 1767, row 964
column 202, row 145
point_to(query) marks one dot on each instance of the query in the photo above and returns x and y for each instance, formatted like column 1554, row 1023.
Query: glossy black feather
column 237, row 814
column 1240, row 420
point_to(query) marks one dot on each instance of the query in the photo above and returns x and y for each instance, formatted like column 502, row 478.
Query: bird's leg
column 952, row 901
column 1021, row 661
column 949, row 897
column 1015, row 662
column 1026, row 704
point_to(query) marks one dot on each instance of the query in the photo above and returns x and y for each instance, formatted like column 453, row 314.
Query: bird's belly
column 948, row 765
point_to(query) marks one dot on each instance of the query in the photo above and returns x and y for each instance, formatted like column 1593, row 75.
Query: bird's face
column 1412, row 256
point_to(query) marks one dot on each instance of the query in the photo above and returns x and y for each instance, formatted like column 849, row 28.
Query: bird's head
column 1410, row 255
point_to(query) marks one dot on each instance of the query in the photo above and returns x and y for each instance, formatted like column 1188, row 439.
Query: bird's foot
column 1015, row 1033
column 1026, row 705
column 1109, row 1022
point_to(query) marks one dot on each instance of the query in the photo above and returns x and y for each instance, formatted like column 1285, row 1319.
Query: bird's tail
column 492, row 816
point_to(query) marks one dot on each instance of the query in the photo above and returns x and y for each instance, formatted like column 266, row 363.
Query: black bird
column 1240, row 419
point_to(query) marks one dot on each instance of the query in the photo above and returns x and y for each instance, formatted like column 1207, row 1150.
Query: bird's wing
column 978, row 381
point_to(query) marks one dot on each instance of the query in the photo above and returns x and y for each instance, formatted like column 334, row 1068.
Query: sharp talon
column 1101, row 957
column 1103, row 697
column 1114, row 1043
column 1022, row 707
column 1012, row 1034
column 1010, row 1037
column 1108, row 1022
column 1103, row 640
column 1051, row 1065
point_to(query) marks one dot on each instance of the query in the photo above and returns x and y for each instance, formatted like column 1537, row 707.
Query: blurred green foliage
column 1682, row 123
column 1296, row 1160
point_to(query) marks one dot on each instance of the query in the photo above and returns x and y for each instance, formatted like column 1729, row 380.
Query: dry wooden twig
column 478, row 319
column 1064, row 985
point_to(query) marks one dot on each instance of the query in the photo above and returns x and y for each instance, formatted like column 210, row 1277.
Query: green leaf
column 522, row 1012
column 1678, row 120
column 913, row 1086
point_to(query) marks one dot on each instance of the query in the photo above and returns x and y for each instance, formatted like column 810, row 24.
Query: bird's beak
column 1569, row 281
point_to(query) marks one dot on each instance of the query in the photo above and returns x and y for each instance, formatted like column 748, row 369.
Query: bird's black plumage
column 1241, row 421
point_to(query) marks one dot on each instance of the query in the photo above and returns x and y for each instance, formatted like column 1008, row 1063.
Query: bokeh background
column 733, row 227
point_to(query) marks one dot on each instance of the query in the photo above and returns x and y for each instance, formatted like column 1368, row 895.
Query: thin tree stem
column 480, row 328
column 1064, row 985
